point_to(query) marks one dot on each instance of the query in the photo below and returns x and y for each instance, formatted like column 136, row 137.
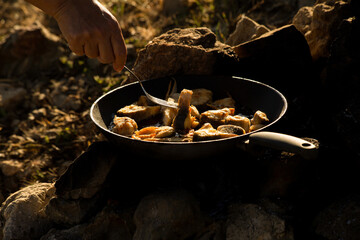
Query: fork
column 153, row 99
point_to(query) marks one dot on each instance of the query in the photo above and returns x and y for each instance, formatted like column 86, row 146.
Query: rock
column 246, row 30
column 171, row 215
column 341, row 77
column 22, row 215
column 251, row 221
column 77, row 190
column 29, row 50
column 73, row 233
column 340, row 220
column 70, row 212
column 87, row 174
column 319, row 24
column 286, row 174
column 10, row 167
column 65, row 97
column 108, row 224
column 280, row 58
column 303, row 18
column 184, row 51
column 11, row 96
column 332, row 30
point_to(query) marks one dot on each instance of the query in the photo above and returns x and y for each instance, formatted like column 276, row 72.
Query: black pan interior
column 249, row 95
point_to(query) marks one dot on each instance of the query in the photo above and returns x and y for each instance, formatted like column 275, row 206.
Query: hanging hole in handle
column 306, row 145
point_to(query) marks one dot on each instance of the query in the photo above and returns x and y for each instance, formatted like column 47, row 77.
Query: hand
column 90, row 29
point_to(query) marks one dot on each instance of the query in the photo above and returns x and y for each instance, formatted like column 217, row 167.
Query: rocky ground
column 46, row 93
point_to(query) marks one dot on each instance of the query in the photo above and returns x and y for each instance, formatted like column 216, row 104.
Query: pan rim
column 244, row 136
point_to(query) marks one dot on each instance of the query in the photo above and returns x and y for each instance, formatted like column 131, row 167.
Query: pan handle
column 284, row 142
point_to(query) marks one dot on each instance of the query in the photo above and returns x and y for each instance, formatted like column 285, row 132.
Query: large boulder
column 320, row 24
column 184, row 51
column 280, row 54
column 332, row 30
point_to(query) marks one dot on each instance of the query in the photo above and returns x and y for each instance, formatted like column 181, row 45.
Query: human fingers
column 76, row 48
column 119, row 50
column 91, row 49
column 106, row 54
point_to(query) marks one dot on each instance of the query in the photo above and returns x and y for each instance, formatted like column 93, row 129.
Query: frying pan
column 246, row 92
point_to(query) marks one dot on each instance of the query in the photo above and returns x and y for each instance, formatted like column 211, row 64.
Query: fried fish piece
column 168, row 113
column 238, row 120
column 207, row 132
column 149, row 133
column 124, row 126
column 183, row 120
column 138, row 113
column 256, row 127
column 216, row 117
column 259, row 118
column 231, row 129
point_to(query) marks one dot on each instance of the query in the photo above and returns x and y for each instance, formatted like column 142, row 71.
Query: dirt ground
column 47, row 125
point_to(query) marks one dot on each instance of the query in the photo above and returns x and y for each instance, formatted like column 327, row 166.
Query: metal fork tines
column 153, row 99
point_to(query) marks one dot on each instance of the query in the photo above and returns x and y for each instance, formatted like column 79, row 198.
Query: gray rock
column 340, row 220
column 22, row 213
column 173, row 215
column 251, row 221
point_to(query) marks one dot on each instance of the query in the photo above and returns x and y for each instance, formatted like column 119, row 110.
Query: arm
column 89, row 28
